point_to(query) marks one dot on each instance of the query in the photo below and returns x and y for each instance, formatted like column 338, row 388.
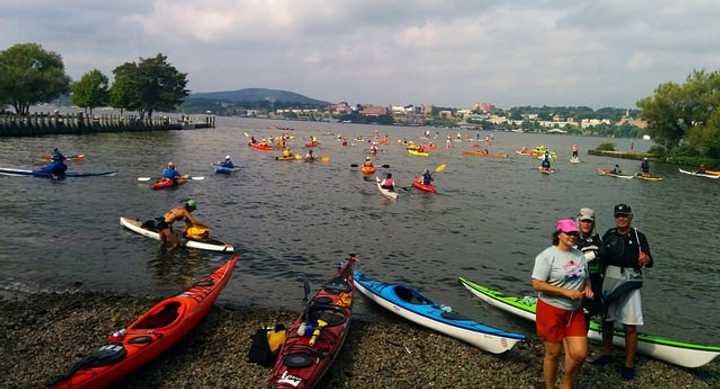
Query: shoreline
column 43, row 334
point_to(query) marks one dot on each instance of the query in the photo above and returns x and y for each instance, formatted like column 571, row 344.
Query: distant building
column 342, row 108
column 585, row 123
column 373, row 110
column 495, row 119
column 427, row 109
column 446, row 114
column 483, row 107
column 639, row 123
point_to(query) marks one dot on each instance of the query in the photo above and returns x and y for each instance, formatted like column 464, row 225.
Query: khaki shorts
column 627, row 309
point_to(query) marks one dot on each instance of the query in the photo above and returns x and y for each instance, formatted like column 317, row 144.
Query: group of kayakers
column 582, row 276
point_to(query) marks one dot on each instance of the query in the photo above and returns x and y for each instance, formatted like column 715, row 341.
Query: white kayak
column 575, row 160
column 699, row 174
column 387, row 193
column 673, row 351
column 135, row 225
column 412, row 305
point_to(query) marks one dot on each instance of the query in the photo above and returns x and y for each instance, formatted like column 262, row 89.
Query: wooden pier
column 38, row 124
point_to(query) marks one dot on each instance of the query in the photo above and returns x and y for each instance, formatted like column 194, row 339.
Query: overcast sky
column 596, row 53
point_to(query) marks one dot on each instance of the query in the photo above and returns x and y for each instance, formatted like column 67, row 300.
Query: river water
column 287, row 219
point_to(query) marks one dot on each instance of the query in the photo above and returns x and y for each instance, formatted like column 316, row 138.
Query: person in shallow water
column 170, row 173
column 645, row 167
column 560, row 276
column 388, row 183
column 179, row 213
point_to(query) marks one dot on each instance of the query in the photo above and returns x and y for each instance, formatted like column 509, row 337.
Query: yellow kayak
column 418, row 153
column 650, row 178
column 713, row 172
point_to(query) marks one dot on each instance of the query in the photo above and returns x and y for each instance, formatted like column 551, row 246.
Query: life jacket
column 388, row 182
column 197, row 232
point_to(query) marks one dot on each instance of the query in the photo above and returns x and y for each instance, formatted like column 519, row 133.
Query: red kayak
column 311, row 144
column 165, row 183
column 426, row 188
column 260, row 146
column 149, row 336
column 304, row 359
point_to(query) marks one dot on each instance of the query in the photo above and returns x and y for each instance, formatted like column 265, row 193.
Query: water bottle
column 446, row 308
column 117, row 336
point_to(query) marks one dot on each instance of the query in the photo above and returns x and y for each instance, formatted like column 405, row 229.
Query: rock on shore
column 42, row 335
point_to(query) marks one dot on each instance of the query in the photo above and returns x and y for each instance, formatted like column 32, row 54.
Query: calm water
column 290, row 218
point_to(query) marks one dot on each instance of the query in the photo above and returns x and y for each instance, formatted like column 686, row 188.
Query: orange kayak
column 260, row 146
column 367, row 170
column 482, row 154
column 149, row 336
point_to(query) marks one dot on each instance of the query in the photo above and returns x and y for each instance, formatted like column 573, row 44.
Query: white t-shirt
column 564, row 269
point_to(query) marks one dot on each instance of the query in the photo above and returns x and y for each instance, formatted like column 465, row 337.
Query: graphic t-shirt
column 564, row 269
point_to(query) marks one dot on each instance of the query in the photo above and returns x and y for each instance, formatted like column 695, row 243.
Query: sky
column 441, row 52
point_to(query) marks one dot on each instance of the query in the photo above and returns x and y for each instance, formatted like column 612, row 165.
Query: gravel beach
column 41, row 335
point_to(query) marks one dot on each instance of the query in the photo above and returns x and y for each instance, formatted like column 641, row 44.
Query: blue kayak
column 225, row 170
column 38, row 173
column 412, row 305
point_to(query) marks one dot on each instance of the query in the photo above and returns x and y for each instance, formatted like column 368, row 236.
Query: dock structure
column 41, row 123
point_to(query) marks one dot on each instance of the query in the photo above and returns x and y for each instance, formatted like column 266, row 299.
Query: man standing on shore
column 625, row 251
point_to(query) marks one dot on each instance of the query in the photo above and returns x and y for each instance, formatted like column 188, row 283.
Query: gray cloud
column 442, row 52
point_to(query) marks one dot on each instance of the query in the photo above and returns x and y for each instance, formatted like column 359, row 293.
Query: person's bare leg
column 631, row 340
column 550, row 363
column 575, row 354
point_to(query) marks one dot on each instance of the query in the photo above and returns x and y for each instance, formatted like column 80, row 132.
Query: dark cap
column 622, row 209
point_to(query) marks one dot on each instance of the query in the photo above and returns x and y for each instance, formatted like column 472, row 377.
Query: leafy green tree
column 91, row 91
column 148, row 86
column 31, row 75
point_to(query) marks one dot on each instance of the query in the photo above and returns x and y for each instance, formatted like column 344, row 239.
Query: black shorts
column 161, row 224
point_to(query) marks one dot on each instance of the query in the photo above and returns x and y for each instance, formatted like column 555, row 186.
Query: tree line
column 31, row 75
column 684, row 119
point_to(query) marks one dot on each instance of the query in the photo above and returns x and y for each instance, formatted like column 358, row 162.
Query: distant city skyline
column 446, row 53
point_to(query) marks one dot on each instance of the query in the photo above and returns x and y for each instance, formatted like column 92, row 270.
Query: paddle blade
column 306, row 288
column 353, row 165
column 144, row 179
column 440, row 168
column 198, row 178
column 246, row 134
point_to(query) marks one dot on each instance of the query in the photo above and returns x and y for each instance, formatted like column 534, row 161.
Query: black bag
column 613, row 246
column 260, row 350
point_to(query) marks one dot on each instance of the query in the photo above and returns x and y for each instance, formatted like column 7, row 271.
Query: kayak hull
column 678, row 353
column 412, row 305
column 35, row 173
column 261, row 147
column 156, row 331
column 425, row 188
column 225, row 170
column 332, row 304
column 165, row 183
column 606, row 172
column 649, row 178
column 711, row 176
column 367, row 170
column 135, row 225
column 418, row 153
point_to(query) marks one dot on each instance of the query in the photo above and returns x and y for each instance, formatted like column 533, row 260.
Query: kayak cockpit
column 161, row 316
column 411, row 296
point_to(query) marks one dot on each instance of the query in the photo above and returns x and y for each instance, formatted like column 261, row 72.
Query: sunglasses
column 573, row 234
column 625, row 215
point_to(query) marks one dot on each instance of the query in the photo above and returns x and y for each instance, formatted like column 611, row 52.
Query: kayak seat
column 163, row 318
column 452, row 315
column 299, row 360
column 410, row 296
column 330, row 314
column 337, row 285
column 324, row 300
column 140, row 340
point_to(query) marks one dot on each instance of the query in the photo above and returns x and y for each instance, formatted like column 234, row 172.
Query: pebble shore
column 41, row 335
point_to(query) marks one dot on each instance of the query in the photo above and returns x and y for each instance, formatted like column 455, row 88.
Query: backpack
column 197, row 232
column 265, row 345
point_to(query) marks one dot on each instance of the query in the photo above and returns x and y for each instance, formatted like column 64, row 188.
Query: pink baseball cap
column 566, row 226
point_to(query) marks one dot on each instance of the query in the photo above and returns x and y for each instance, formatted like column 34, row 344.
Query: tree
column 91, row 91
column 30, row 75
column 150, row 85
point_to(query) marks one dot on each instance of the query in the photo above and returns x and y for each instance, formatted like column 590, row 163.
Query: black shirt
column 622, row 249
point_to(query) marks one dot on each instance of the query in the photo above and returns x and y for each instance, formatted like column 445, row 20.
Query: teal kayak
column 676, row 352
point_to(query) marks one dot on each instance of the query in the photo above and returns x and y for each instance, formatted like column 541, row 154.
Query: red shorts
column 554, row 324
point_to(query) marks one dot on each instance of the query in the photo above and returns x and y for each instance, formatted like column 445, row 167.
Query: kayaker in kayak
column 368, row 162
column 170, row 173
column 57, row 155
column 228, row 163
column 574, row 149
column 388, row 183
column 701, row 169
column 546, row 162
column 57, row 167
column 180, row 213
column 286, row 153
column 373, row 149
column 427, row 177
column 560, row 277
column 616, row 170
column 309, row 156
column 253, row 140
column 645, row 167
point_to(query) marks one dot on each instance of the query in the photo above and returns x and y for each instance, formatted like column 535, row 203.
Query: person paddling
column 616, row 170
column 427, row 177
column 368, row 163
column 388, row 183
column 309, row 157
column 574, row 150
column 179, row 213
column 170, row 173
column 701, row 169
column 546, row 162
column 645, row 167
column 228, row 163
column 57, row 167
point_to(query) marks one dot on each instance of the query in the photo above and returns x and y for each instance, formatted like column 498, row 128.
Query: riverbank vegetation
column 684, row 119
column 31, row 75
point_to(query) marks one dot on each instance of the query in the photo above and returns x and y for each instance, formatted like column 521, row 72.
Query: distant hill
column 253, row 96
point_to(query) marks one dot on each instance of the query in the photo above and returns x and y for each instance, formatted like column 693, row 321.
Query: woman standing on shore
column 560, row 277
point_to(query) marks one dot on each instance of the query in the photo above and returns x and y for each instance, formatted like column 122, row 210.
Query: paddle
column 382, row 166
column 75, row 157
column 196, row 178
